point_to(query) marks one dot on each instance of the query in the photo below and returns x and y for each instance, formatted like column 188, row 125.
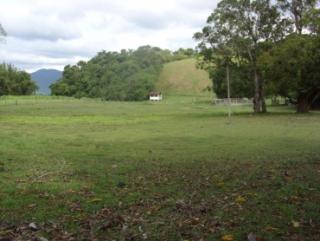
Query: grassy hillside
column 183, row 77
column 174, row 170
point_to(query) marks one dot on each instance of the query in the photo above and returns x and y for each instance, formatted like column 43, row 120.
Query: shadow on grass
column 273, row 111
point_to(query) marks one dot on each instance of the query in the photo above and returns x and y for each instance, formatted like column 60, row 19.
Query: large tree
column 217, row 46
column 221, row 57
column 298, row 52
column 292, row 66
column 249, row 23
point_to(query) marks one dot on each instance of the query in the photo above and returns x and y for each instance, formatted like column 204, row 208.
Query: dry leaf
column 295, row 224
column 269, row 229
column 220, row 184
column 227, row 237
column 240, row 199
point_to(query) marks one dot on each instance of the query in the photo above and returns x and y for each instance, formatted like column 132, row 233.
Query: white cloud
column 52, row 33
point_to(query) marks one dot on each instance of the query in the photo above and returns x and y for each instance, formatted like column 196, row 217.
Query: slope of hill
column 182, row 77
column 44, row 78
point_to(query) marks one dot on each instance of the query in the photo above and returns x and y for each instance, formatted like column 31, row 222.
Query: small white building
column 155, row 96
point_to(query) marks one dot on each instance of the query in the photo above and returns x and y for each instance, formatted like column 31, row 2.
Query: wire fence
column 233, row 101
column 34, row 99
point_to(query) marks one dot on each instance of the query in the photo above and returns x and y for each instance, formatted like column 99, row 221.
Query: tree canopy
column 15, row 82
column 12, row 80
column 292, row 67
column 242, row 26
column 240, row 35
column 298, row 12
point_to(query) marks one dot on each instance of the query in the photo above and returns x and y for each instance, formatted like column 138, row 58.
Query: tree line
column 264, row 48
column 15, row 82
column 128, row 75
column 12, row 80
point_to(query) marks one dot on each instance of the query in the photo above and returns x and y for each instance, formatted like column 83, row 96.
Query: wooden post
column 228, row 87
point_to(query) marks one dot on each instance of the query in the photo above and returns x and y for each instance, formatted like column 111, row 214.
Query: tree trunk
column 305, row 100
column 303, row 104
column 264, row 106
column 259, row 104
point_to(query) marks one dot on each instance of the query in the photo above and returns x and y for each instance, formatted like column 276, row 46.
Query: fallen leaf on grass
column 269, row 229
column 220, row 184
column 227, row 237
column 95, row 200
column 295, row 224
column 192, row 221
column 33, row 226
column 31, row 206
column 240, row 199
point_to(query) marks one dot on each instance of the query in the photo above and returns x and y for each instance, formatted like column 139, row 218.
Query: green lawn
column 175, row 170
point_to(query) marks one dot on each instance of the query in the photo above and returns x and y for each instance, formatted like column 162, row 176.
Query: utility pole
column 228, row 88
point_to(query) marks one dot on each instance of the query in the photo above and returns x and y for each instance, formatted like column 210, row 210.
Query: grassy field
column 175, row 170
column 183, row 77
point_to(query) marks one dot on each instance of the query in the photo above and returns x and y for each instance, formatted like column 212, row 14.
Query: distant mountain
column 44, row 78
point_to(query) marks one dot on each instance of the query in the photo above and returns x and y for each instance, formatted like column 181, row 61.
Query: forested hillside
column 127, row 75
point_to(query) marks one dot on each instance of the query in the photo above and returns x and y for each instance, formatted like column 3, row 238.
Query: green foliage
column 15, row 82
column 232, row 38
column 312, row 20
column 241, row 84
column 292, row 67
column 126, row 76
column 241, row 35
column 300, row 13
column 182, row 53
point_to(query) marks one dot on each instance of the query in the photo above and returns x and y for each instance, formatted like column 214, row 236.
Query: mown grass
column 175, row 170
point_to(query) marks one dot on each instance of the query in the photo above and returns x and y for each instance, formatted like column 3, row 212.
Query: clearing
column 174, row 170
column 182, row 77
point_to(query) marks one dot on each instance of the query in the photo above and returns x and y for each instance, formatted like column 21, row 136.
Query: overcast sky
column 54, row 33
